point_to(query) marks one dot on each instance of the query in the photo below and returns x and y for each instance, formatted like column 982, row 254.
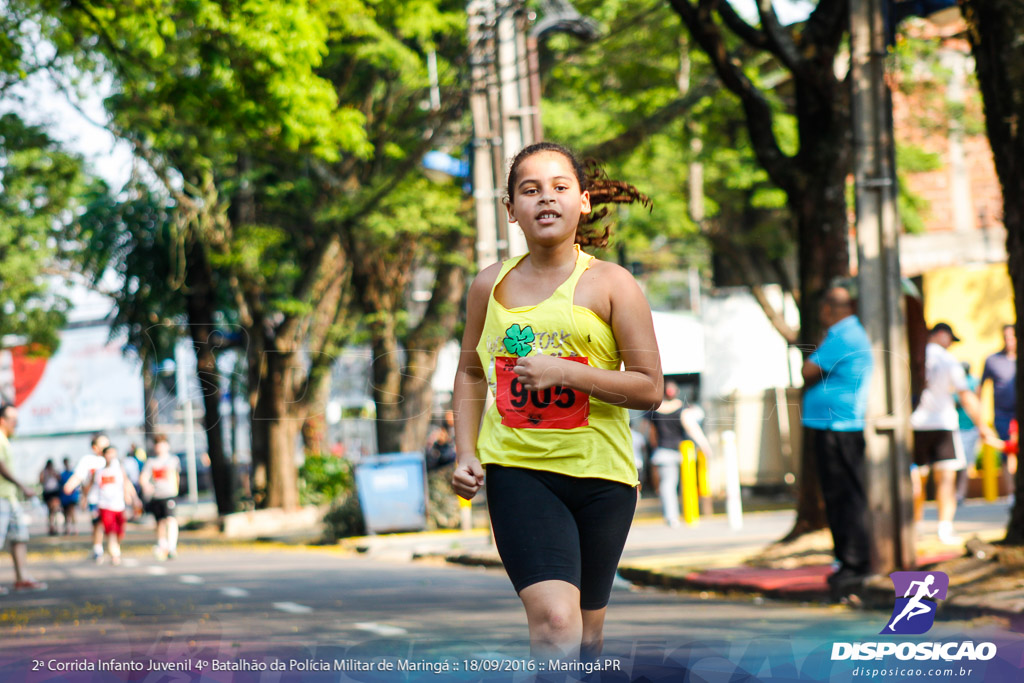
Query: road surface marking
column 293, row 607
column 380, row 629
column 232, row 592
column 129, row 562
column 157, row 571
column 191, row 578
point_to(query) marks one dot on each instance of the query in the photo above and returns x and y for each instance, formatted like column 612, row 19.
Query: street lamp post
column 880, row 297
column 184, row 398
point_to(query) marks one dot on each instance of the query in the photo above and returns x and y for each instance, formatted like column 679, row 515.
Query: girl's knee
column 560, row 618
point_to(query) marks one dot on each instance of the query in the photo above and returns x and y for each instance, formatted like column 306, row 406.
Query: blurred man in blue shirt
column 1001, row 368
column 836, row 377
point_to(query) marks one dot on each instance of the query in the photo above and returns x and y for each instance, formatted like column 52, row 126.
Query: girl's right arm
column 469, row 395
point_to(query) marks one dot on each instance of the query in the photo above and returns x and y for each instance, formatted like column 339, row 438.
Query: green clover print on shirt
column 517, row 340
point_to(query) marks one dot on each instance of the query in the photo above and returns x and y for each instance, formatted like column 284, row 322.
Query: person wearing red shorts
column 115, row 494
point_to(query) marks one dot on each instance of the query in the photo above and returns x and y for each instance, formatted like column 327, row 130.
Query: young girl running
column 115, row 494
column 565, row 344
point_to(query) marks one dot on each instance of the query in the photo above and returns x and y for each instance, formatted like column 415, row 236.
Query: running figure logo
column 916, row 596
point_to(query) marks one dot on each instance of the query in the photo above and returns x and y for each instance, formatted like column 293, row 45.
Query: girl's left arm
column 640, row 385
column 130, row 497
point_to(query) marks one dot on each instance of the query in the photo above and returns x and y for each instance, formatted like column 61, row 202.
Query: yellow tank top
column 557, row 429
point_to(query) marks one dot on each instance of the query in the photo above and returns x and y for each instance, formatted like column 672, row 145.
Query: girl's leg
column 114, row 547
column 918, row 481
column 161, row 534
column 593, row 633
column 554, row 618
column 603, row 518
column 70, row 525
column 945, row 494
column 537, row 539
column 668, row 490
column 172, row 536
column 53, row 505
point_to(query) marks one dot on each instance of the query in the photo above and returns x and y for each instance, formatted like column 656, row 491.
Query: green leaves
column 39, row 189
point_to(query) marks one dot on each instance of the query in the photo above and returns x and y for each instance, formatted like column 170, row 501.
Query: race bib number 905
column 551, row 408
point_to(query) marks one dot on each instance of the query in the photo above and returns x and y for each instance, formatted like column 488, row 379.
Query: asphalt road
column 306, row 608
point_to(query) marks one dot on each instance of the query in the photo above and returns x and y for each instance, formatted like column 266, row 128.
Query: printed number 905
column 562, row 397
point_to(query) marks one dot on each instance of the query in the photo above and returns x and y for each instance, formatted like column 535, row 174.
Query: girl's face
column 547, row 201
column 110, row 455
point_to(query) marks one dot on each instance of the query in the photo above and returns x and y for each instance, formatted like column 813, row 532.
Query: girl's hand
column 540, row 372
column 468, row 476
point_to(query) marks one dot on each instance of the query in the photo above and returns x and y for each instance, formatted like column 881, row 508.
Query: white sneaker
column 947, row 536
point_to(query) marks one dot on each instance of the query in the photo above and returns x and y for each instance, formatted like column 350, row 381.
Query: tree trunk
column 221, row 469
column 994, row 29
column 387, row 388
column 821, row 240
column 814, row 179
column 150, row 405
column 418, row 398
column 823, row 256
column 201, row 308
column 260, row 415
column 314, row 427
column 281, row 427
column 403, row 391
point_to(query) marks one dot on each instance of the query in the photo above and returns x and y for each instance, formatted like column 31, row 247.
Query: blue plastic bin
column 392, row 489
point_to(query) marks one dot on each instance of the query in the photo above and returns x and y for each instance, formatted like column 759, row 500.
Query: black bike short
column 550, row 526
column 162, row 508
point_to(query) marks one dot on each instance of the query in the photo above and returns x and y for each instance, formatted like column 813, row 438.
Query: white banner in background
column 88, row 385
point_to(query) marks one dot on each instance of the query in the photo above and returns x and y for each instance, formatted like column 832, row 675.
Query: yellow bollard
column 990, row 472
column 688, row 478
column 703, row 481
column 704, row 485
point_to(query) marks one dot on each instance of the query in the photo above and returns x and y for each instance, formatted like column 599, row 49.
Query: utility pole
column 887, row 425
column 504, row 105
column 481, row 58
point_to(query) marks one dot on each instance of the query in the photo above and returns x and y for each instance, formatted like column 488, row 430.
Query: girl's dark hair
column 592, row 177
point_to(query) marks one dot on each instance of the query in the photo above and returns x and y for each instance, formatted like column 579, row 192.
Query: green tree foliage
column 655, row 117
column 134, row 237
column 277, row 129
column 39, row 189
column 416, row 245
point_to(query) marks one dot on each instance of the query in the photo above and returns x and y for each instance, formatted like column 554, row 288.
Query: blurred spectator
column 49, row 478
column 837, row 379
column 672, row 423
column 1001, row 368
column 969, row 435
column 934, row 422
column 13, row 522
column 441, row 450
column 69, row 501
